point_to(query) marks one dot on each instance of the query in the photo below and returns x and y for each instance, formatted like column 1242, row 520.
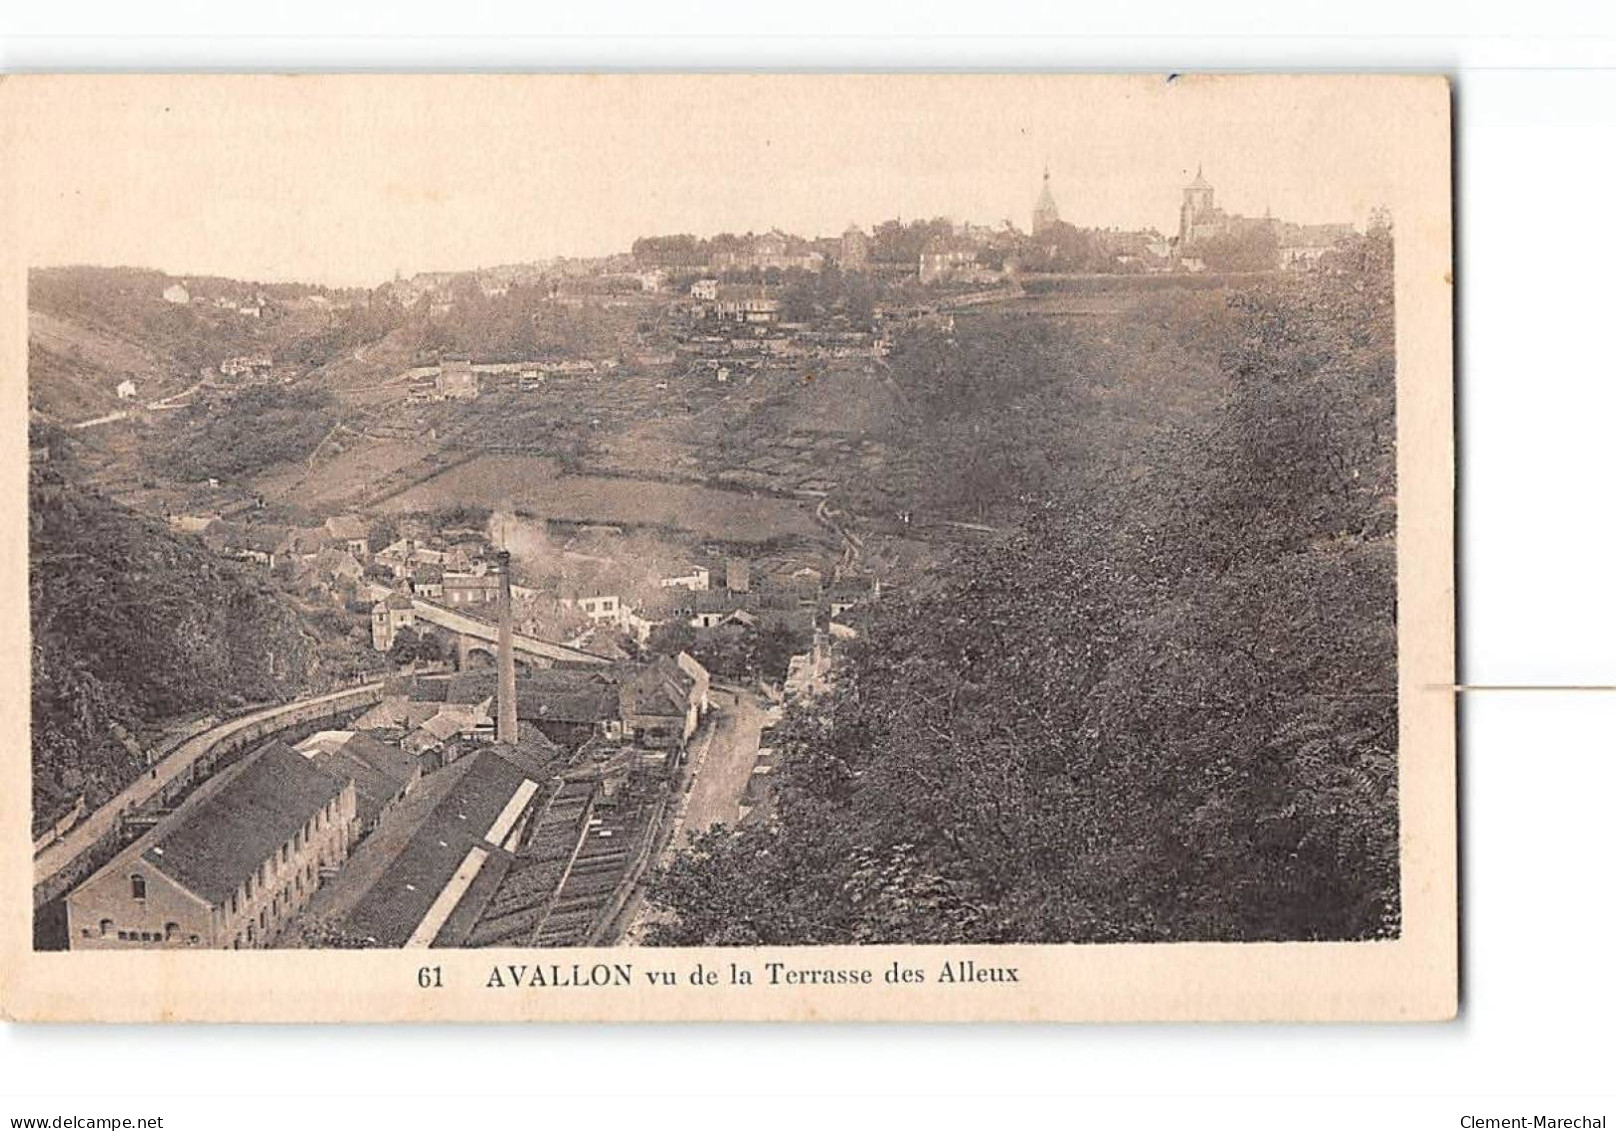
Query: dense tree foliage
column 1253, row 247
column 732, row 651
column 247, row 433
column 1165, row 711
column 134, row 625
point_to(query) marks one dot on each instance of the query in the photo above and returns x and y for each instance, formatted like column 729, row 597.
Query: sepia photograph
column 870, row 531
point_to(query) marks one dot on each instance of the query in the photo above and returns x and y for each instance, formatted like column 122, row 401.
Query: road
column 109, row 418
column 88, row 832
column 726, row 765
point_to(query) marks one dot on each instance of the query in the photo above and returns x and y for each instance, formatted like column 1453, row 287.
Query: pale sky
column 344, row 180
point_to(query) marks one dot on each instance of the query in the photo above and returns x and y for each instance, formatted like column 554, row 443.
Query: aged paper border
column 1411, row 978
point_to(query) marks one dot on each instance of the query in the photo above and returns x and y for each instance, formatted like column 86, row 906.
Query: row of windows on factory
column 305, row 877
column 285, row 902
column 321, row 821
column 169, row 933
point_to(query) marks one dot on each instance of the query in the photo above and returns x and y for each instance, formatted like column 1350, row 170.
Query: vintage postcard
column 639, row 547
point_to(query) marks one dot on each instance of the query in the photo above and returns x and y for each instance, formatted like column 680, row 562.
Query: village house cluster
column 413, row 818
column 511, row 787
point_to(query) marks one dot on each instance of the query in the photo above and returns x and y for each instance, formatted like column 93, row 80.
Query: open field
column 342, row 480
column 533, row 486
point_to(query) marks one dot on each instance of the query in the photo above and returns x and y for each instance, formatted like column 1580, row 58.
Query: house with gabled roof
column 382, row 773
column 230, row 867
column 663, row 702
column 350, row 532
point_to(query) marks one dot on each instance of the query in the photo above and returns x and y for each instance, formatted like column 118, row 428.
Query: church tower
column 1196, row 209
column 1045, row 214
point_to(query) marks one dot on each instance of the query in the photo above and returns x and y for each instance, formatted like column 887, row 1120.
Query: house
column 427, row 581
column 406, row 557
column 568, row 707
column 1303, row 245
column 448, row 722
column 247, row 365
column 772, row 251
column 662, row 702
column 704, row 290
column 383, row 774
column 711, row 608
column 459, row 588
column 303, row 543
column 808, row 674
column 599, row 605
column 230, row 867
column 845, row 594
column 252, row 542
column 387, row 616
column 126, row 390
column 351, row 533
column 661, row 607
column 330, row 568
column 192, row 523
column 176, row 294
column 701, row 682
column 457, row 380
column 944, row 260
column 396, row 713
column 693, row 577
column 745, row 304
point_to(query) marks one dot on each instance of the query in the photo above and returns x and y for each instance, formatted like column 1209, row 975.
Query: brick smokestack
column 505, row 730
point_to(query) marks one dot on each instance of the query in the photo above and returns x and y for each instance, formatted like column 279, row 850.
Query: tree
column 776, row 643
column 430, row 649
column 1253, row 247
column 383, row 532
column 406, row 647
column 670, row 638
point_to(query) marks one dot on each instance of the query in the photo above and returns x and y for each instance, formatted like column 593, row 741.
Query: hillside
column 91, row 327
column 135, row 625
column 74, row 368
column 1164, row 710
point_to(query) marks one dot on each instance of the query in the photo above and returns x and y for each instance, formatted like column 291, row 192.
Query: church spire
column 1045, row 214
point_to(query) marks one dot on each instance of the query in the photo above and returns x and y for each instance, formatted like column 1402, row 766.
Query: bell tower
column 1196, row 209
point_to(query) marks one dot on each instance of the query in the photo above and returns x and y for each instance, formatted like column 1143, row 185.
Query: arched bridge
column 474, row 635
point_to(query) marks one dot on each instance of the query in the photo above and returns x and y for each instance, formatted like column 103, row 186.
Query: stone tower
column 855, row 251
column 1197, row 209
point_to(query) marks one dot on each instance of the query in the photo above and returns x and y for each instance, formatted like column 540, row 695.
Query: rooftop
column 379, row 771
column 236, row 821
column 395, row 877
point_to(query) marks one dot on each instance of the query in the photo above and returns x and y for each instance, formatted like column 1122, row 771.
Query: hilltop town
column 555, row 547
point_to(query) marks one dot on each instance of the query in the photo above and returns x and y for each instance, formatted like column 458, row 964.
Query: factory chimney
column 505, row 727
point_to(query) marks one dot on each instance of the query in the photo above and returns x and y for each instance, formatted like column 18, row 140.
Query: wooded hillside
column 134, row 625
column 1165, row 711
